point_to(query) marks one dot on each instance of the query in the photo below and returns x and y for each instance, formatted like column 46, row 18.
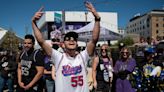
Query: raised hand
column 38, row 14
column 91, row 8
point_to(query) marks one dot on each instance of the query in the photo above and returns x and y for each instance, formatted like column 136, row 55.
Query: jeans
column 9, row 82
column 50, row 85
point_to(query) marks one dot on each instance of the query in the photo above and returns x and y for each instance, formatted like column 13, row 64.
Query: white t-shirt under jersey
column 70, row 72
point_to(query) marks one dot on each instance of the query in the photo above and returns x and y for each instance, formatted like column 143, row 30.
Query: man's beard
column 28, row 49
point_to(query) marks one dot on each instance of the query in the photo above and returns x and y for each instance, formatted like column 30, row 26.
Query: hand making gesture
column 91, row 8
column 38, row 14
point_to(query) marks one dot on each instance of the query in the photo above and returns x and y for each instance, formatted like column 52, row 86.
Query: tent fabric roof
column 105, row 34
column 2, row 32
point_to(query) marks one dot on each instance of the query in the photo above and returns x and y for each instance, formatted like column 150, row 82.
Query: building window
column 147, row 25
column 157, row 25
column 156, row 31
column 143, row 27
column 148, row 20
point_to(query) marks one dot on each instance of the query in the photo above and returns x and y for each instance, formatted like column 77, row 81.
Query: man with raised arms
column 70, row 65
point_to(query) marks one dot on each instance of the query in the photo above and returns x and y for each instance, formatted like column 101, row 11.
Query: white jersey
column 70, row 72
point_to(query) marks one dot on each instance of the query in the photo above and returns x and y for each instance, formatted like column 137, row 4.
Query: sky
column 17, row 14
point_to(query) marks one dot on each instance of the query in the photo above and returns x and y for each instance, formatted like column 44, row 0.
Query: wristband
column 97, row 19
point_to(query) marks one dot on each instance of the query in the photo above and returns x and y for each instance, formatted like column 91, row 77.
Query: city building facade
column 150, row 25
column 121, row 31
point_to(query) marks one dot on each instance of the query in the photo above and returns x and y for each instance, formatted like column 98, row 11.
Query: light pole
column 63, row 22
column 86, row 13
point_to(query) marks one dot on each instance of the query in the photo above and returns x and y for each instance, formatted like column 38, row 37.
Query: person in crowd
column 30, row 66
column 55, row 44
column 3, row 69
column 90, row 78
column 90, row 72
column 48, row 75
column 55, row 34
column 61, row 47
column 7, row 70
column 139, row 50
column 151, row 41
column 55, row 37
column 53, row 75
column 70, row 66
column 49, row 70
column 142, row 42
column 123, row 67
column 150, row 63
column 103, row 70
column 151, row 70
column 158, row 39
column 13, row 67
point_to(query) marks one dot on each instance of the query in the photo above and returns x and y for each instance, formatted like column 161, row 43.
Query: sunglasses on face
column 70, row 39
column 104, row 50
column 124, row 52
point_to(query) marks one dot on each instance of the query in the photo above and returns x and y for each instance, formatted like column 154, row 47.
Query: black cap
column 71, row 34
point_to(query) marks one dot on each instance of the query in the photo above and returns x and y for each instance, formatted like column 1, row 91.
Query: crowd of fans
column 128, row 73
column 64, row 68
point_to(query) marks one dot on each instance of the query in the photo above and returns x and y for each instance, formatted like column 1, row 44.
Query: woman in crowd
column 123, row 67
column 102, row 70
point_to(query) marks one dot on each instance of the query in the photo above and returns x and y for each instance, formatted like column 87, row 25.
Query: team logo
column 71, row 70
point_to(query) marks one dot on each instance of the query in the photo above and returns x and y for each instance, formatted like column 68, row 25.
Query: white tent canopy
column 105, row 34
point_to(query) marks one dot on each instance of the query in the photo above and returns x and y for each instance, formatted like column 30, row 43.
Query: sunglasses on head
column 70, row 38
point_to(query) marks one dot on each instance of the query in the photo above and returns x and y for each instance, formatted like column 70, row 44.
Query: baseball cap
column 71, row 34
column 150, row 49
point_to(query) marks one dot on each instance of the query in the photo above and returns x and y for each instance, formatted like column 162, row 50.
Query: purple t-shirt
column 124, row 85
